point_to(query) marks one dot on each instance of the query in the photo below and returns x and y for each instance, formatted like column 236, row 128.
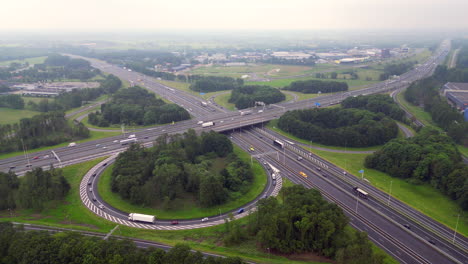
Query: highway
column 232, row 121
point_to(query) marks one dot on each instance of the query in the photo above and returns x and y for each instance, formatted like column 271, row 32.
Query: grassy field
column 418, row 112
column 423, row 198
column 11, row 116
column 463, row 150
column 31, row 61
column 223, row 99
column 353, row 84
column 190, row 209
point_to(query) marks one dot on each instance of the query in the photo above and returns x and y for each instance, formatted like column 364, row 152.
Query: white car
column 204, row 219
column 115, row 141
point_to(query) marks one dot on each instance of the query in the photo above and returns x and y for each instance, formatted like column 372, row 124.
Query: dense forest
column 13, row 101
column 246, row 96
column 315, row 86
column 303, row 222
column 178, row 166
column 41, row 130
column 378, row 103
column 215, row 83
column 430, row 157
column 396, row 69
column 19, row 246
column 340, row 127
column 137, row 106
column 34, row 190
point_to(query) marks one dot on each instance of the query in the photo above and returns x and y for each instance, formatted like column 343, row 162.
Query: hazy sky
column 231, row 14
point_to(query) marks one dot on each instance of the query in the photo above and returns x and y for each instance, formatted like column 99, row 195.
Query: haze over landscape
column 116, row 15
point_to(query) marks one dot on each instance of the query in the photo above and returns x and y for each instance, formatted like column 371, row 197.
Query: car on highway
column 303, row 174
column 146, row 137
column 94, row 199
column 46, row 156
column 29, row 165
column 105, row 164
column 115, row 141
column 251, row 149
column 174, row 222
column 240, row 211
column 407, row 226
column 36, row 157
column 89, row 183
column 101, row 207
column 317, row 168
column 12, row 167
column 97, row 145
column 199, row 122
column 94, row 174
column 431, row 241
column 204, row 219
column 91, row 189
column 299, row 158
column 324, row 175
column 274, row 182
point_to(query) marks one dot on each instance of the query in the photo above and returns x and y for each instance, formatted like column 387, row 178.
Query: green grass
column 223, row 99
column 183, row 86
column 273, row 125
column 463, row 150
column 190, row 210
column 418, row 112
column 424, row 198
column 11, row 116
column 31, row 61
column 353, row 84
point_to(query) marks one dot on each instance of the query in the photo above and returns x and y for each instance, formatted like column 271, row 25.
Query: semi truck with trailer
column 141, row 218
column 128, row 141
column 208, row 124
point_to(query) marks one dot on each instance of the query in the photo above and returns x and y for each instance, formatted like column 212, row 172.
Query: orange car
column 303, row 174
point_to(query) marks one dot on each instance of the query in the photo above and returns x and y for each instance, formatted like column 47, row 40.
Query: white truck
column 247, row 112
column 128, row 141
column 72, row 144
column 208, row 124
column 204, row 104
column 131, row 136
column 141, row 218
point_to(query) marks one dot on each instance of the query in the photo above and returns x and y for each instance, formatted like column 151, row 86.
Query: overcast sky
column 98, row 15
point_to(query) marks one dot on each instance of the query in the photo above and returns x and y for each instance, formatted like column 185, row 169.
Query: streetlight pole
column 390, row 193
column 456, row 228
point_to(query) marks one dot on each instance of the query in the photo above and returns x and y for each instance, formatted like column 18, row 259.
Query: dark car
column 174, row 222
column 29, row 165
column 431, row 241
column 94, row 175
column 105, row 164
column 407, row 226
column 319, row 169
column 324, row 175
column 240, row 211
column 12, row 167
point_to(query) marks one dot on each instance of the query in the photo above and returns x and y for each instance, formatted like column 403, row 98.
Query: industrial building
column 457, row 94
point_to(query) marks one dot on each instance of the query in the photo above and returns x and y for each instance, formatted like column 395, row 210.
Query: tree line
column 378, row 103
column 246, row 96
column 35, row 190
column 136, row 106
column 315, row 86
column 396, row 69
column 215, row 83
column 303, row 222
column 20, row 246
column 41, row 130
column 430, row 157
column 12, row 101
column 426, row 93
column 178, row 166
column 339, row 127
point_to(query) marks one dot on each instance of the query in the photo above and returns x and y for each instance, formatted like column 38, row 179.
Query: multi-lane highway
column 408, row 245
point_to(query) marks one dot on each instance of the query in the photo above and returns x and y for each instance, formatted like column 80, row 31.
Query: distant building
column 457, row 94
column 291, row 55
column 181, row 67
column 385, row 53
column 233, row 64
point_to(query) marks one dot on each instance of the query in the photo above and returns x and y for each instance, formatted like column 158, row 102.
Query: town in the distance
column 162, row 140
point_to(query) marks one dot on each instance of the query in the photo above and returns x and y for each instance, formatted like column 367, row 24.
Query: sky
column 112, row 15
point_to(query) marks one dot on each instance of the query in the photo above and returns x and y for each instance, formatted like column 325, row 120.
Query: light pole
column 390, row 193
column 456, row 228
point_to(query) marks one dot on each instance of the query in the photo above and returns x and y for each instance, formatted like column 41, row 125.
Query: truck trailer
column 141, row 218
column 208, row 124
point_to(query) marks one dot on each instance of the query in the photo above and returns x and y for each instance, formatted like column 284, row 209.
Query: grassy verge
column 418, row 112
column 183, row 86
column 463, row 150
column 424, row 198
column 189, row 211
column 223, row 99
column 11, row 116
column 31, row 61
column 353, row 84
column 273, row 125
